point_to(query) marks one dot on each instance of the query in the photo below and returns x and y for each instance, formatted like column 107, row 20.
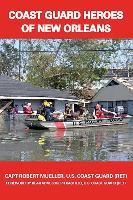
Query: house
column 21, row 92
column 116, row 92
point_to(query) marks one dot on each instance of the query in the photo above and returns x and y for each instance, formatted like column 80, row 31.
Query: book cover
column 66, row 101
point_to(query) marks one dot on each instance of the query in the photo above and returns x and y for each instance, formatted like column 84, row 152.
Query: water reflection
column 17, row 143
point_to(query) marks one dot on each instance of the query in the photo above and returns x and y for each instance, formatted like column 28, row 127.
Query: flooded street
column 18, row 143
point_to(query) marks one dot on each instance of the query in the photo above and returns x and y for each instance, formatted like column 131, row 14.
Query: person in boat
column 46, row 110
column 15, row 111
column 28, row 109
column 52, row 108
column 79, row 114
column 99, row 112
column 68, row 114
column 39, row 110
column 24, row 106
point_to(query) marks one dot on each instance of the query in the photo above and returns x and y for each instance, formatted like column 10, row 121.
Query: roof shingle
column 13, row 88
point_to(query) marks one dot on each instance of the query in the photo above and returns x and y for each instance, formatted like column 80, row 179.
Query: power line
column 52, row 51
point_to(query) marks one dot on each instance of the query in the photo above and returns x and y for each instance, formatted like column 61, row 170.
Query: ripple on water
column 104, row 143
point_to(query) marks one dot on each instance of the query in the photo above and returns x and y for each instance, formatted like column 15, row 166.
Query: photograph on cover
column 66, row 100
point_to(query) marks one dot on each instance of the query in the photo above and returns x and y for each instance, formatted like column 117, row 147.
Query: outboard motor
column 119, row 110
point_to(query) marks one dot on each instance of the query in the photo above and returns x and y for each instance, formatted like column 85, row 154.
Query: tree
column 38, row 69
column 87, row 59
column 9, row 59
column 71, row 64
column 63, row 63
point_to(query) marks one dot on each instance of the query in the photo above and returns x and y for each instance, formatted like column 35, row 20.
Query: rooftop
column 116, row 89
column 128, row 82
column 13, row 88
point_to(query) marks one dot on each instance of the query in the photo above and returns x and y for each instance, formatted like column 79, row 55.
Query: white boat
column 34, row 123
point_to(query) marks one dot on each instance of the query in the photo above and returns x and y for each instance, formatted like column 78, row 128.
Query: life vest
column 46, row 104
column 28, row 110
column 100, row 114
column 41, row 118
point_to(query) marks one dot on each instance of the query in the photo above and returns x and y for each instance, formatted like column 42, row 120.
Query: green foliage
column 9, row 59
column 39, row 68
column 75, row 62
column 60, row 64
column 85, row 60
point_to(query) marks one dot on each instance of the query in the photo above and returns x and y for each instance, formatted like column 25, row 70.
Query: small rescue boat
column 34, row 123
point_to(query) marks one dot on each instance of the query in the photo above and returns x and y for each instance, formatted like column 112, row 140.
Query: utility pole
column 128, row 73
column 19, row 69
column 128, row 63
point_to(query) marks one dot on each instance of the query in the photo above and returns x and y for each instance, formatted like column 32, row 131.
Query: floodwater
column 18, row 143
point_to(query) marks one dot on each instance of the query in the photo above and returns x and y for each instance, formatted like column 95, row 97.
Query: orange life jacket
column 100, row 114
column 28, row 110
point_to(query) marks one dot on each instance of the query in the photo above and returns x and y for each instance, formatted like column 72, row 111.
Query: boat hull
column 36, row 124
